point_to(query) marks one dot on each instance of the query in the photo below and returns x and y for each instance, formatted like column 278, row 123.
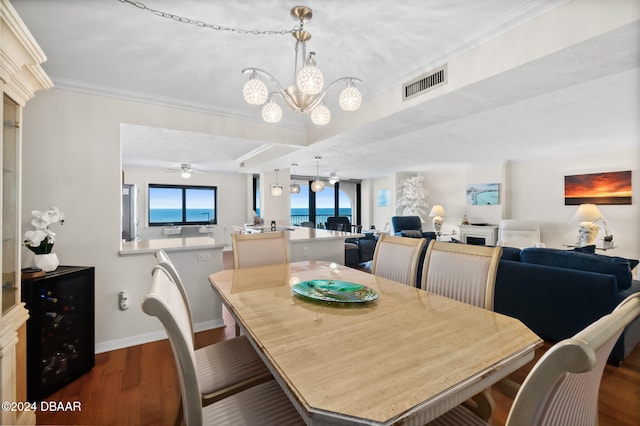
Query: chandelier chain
column 202, row 24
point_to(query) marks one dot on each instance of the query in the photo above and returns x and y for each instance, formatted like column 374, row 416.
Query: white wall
column 71, row 159
column 232, row 210
column 537, row 193
column 532, row 190
column 381, row 215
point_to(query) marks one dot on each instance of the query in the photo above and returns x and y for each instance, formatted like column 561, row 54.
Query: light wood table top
column 410, row 355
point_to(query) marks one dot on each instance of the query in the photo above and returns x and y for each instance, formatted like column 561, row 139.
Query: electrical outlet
column 123, row 300
column 203, row 256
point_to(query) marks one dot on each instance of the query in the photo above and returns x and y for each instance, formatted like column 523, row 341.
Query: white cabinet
column 20, row 76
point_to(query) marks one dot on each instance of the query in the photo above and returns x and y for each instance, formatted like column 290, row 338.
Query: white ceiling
column 565, row 102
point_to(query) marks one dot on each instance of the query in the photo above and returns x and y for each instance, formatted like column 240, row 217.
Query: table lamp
column 436, row 213
column 587, row 215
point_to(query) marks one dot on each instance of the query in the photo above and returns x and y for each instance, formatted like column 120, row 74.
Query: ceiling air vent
column 424, row 83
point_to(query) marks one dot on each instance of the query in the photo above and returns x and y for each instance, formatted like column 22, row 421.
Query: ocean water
column 175, row 215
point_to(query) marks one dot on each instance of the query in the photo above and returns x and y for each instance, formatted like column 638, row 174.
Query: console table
column 486, row 235
column 603, row 247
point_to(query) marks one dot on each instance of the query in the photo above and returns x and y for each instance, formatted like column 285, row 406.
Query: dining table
column 349, row 347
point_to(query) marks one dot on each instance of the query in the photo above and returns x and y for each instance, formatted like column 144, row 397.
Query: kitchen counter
column 318, row 244
column 195, row 258
column 169, row 244
column 301, row 233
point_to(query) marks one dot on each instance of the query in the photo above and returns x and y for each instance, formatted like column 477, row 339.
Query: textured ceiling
column 562, row 102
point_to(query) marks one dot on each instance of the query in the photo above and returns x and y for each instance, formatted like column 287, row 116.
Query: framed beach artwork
column 483, row 194
column 598, row 188
column 383, row 198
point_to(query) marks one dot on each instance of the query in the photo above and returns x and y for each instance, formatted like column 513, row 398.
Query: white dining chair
column 461, row 271
column 264, row 403
column 466, row 273
column 396, row 258
column 217, row 380
column 519, row 233
column 563, row 386
column 260, row 249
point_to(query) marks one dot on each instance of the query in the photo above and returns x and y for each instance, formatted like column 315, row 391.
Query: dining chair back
column 165, row 262
column 267, row 248
column 165, row 302
column 396, row 258
column 261, row 403
column 461, row 271
column 226, row 367
column 562, row 388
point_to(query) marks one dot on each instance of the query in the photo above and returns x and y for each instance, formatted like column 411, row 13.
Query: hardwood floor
column 139, row 386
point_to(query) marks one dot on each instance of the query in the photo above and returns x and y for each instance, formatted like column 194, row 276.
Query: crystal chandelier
column 307, row 94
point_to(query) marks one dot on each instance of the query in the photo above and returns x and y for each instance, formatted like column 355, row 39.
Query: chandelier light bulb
column 255, row 92
column 276, row 190
column 320, row 115
column 310, row 80
column 350, row 98
column 271, row 111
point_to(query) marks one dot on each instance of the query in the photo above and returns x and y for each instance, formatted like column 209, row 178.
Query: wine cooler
column 60, row 329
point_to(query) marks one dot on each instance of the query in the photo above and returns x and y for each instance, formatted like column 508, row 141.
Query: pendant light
column 294, row 188
column 277, row 190
column 317, row 185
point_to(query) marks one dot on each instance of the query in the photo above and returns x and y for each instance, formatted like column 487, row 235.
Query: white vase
column 47, row 262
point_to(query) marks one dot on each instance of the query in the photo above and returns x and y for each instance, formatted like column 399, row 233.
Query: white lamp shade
column 255, row 91
column 294, row 188
column 587, row 213
column 320, row 115
column 437, row 211
column 317, row 185
column 185, row 174
column 310, row 79
column 277, row 190
column 271, row 112
column 350, row 98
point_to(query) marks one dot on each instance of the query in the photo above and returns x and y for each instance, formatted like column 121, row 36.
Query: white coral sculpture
column 413, row 197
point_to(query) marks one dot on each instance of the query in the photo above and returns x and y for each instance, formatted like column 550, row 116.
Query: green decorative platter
column 335, row 291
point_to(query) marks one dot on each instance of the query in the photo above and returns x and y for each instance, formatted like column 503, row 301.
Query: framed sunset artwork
column 598, row 188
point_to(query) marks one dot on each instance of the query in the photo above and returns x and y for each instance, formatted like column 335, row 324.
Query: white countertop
column 169, row 244
column 301, row 233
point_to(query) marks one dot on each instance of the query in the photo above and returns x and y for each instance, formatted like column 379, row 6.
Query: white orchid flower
column 39, row 223
column 41, row 240
column 35, row 238
column 54, row 215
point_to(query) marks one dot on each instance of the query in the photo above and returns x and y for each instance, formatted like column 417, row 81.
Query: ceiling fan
column 185, row 170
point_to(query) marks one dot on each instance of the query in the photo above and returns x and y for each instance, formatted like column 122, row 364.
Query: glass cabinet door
column 10, row 174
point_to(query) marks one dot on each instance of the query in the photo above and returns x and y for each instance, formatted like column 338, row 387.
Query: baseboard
column 112, row 345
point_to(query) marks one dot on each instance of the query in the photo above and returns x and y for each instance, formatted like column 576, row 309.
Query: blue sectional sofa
column 557, row 293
